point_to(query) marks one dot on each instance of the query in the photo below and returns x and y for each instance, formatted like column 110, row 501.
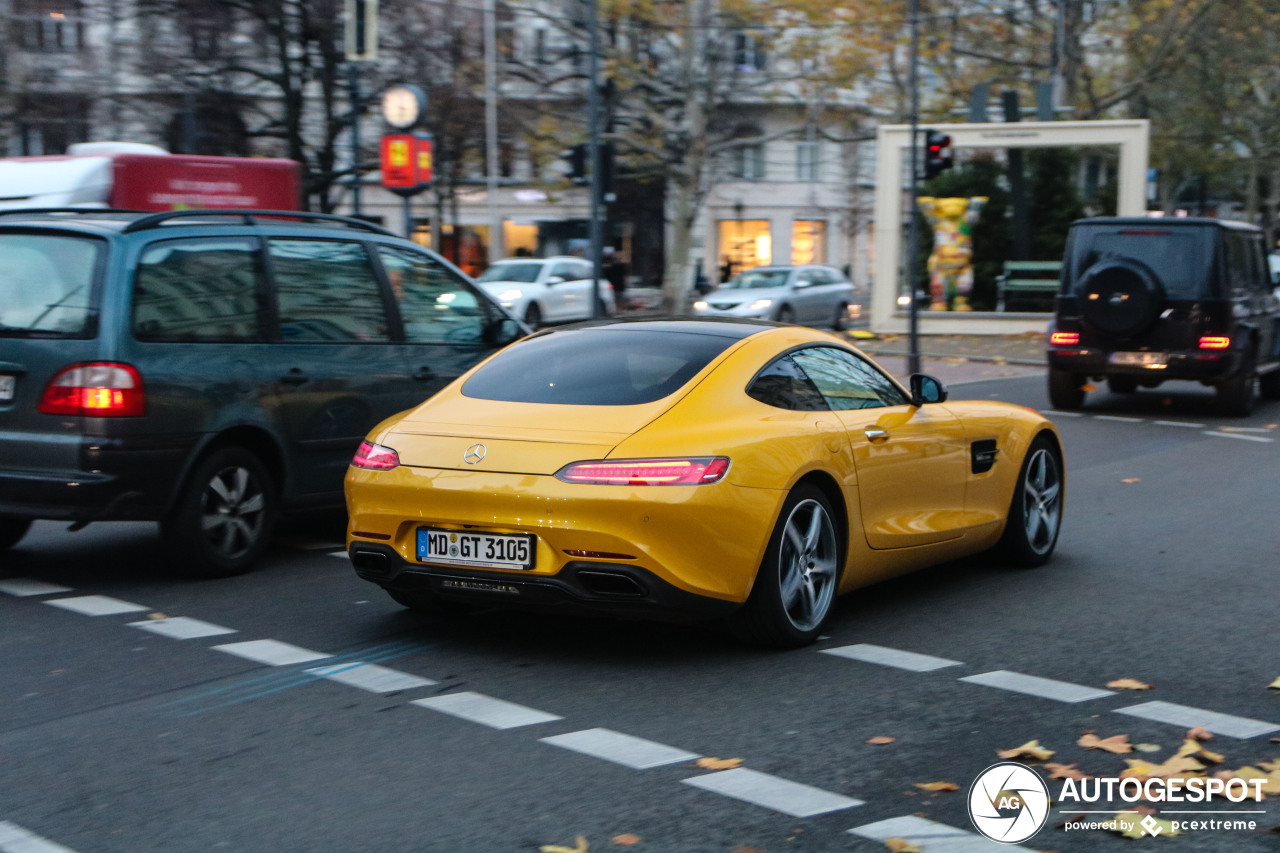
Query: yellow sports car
column 737, row 469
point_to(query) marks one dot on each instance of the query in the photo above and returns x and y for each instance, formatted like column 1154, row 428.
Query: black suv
column 1146, row 300
column 208, row 369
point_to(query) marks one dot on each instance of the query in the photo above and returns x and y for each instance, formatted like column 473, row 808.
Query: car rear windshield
column 1181, row 257
column 523, row 272
column 46, row 283
column 595, row 367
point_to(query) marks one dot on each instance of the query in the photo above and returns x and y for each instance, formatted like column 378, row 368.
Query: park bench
column 1028, row 277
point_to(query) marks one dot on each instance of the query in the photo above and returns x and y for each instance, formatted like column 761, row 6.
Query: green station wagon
column 208, row 370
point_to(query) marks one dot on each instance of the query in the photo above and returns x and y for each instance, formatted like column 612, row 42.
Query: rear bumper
column 582, row 585
column 1195, row 365
column 122, row 481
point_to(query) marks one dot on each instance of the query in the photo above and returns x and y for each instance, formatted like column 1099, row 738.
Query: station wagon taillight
column 375, row 457
column 99, row 389
column 646, row 472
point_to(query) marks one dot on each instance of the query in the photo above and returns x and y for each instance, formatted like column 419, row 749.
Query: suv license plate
column 476, row 550
column 1139, row 358
column 7, row 384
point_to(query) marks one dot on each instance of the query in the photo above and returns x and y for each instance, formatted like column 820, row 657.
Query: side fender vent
column 984, row 455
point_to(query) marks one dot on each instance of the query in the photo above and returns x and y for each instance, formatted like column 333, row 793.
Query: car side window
column 197, row 290
column 436, row 304
column 327, row 292
column 783, row 385
column 846, row 381
column 564, row 270
column 582, row 271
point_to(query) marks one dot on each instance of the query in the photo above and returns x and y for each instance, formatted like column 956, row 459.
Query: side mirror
column 555, row 279
column 502, row 332
column 926, row 389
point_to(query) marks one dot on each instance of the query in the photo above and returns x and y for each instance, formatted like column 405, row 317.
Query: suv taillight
column 100, row 389
column 1215, row 342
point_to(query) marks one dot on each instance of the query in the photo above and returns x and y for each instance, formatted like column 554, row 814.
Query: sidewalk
column 1026, row 350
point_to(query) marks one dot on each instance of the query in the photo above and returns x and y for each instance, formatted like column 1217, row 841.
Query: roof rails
column 249, row 217
column 39, row 211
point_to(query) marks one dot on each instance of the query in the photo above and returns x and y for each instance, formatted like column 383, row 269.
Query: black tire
column 533, row 317
column 1235, row 394
column 786, row 315
column 422, row 601
column 794, row 590
column 1120, row 297
column 1269, row 385
column 1122, row 384
column 222, row 521
column 841, row 321
column 12, row 530
column 1066, row 390
column 1035, row 511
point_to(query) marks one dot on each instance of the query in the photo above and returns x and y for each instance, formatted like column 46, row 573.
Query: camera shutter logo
column 474, row 454
column 1008, row 802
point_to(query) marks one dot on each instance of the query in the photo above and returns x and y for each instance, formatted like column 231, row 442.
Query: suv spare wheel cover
column 1120, row 296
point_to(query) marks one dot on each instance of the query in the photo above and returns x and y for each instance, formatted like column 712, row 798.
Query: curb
column 984, row 359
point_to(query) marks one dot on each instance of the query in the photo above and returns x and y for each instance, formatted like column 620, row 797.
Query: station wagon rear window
column 595, row 367
column 46, row 284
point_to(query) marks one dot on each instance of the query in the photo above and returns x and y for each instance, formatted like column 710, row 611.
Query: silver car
column 809, row 294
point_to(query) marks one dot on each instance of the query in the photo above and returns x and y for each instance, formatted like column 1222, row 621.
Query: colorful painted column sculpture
column 950, row 264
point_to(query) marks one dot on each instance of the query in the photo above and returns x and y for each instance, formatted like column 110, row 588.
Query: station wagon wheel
column 223, row 520
column 841, row 320
column 1035, row 513
column 12, row 530
column 796, row 584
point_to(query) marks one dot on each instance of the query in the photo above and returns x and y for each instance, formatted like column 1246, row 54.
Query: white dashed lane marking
column 485, row 710
column 1118, row 418
column 1046, row 688
column 1240, row 436
column 371, row 677
column 1183, row 424
column 271, row 652
column 931, row 836
column 15, row 839
column 22, row 587
column 182, row 628
column 771, row 792
column 97, row 605
column 891, row 657
column 636, row 753
column 1186, row 717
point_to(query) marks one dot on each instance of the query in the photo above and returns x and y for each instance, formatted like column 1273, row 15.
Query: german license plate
column 476, row 550
column 7, row 384
column 1140, row 359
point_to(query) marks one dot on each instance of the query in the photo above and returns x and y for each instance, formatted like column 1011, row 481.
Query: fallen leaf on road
column 579, row 847
column 1131, row 480
column 158, row 616
column 1270, row 784
column 881, row 739
column 1275, row 685
column 626, row 839
column 1089, row 387
column 1065, row 771
column 1030, row 749
column 1179, row 766
column 718, row 763
column 1148, row 747
column 1200, row 733
column 1191, row 746
column 937, row 786
column 902, row 845
column 1118, row 744
column 1128, row 684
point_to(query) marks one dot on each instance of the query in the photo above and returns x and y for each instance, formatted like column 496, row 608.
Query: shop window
column 809, row 242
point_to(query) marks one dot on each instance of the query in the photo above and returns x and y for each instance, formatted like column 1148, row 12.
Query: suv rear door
column 337, row 368
column 49, row 298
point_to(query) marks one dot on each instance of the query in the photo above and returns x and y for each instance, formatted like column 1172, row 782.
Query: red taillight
column 1064, row 339
column 646, row 472
column 100, row 389
column 1215, row 342
column 376, row 457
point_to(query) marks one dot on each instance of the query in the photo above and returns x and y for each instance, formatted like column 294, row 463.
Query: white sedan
column 546, row 290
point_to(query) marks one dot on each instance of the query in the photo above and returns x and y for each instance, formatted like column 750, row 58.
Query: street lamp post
column 913, row 238
column 593, row 126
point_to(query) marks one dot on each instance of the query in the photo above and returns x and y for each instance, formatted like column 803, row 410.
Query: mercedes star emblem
column 474, row 454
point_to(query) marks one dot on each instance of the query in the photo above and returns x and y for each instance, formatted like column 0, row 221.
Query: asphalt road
column 116, row 738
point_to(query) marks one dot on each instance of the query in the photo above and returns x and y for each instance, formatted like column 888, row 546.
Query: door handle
column 294, row 377
column 876, row 436
column 424, row 374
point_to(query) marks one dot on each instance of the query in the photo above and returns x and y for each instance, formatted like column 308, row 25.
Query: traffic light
column 575, row 159
column 937, row 153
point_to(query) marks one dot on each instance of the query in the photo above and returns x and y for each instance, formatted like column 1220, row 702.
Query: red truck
column 134, row 176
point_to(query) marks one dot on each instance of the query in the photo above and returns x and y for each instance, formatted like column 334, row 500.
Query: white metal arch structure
column 1130, row 136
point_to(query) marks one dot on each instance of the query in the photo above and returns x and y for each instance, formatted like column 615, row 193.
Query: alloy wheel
column 807, row 559
column 1042, row 500
column 233, row 511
